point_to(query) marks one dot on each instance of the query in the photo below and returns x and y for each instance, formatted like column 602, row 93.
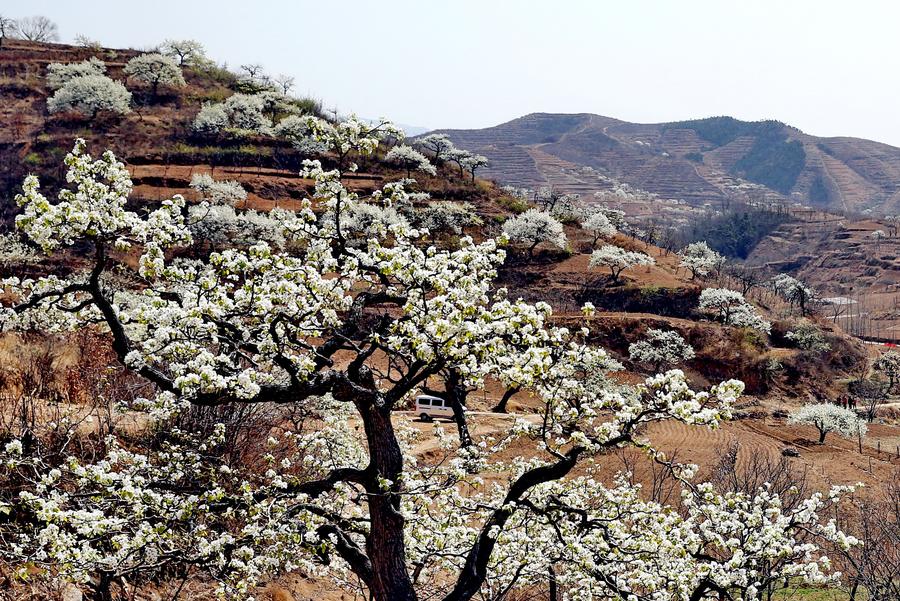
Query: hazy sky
column 827, row 67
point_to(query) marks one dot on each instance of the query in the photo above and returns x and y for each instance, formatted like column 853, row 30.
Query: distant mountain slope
column 700, row 161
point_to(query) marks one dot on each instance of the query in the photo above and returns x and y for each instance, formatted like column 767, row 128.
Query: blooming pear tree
column 211, row 120
column 352, row 136
column 246, row 112
column 599, row 225
column 59, row 74
column 793, row 291
column 563, row 206
column 808, row 337
column 534, row 227
column 408, row 158
column 437, row 144
column 700, row 259
column 155, row 70
column 888, row 364
column 341, row 335
column 827, row 417
column 459, row 156
column 661, row 348
column 188, row 53
column 617, row 259
column 731, row 308
column 444, row 217
column 90, row 95
column 218, row 192
column 473, row 163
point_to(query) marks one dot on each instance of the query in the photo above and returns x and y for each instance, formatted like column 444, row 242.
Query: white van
column 430, row 407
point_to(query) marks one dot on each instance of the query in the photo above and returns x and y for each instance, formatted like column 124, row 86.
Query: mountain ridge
column 700, row 161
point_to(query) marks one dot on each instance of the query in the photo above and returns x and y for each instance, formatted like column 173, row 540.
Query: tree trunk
column 457, row 393
column 822, row 434
column 500, row 407
column 385, row 544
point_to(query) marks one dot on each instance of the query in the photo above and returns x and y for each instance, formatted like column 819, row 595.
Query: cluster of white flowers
column 466, row 161
column 246, row 112
column 218, row 192
column 211, row 119
column 15, row 253
column 444, row 216
column 344, row 333
column 599, row 225
column 438, row 144
column 222, row 225
column 700, row 259
column 563, row 206
column 534, row 227
column 59, row 74
column 793, row 290
column 89, row 95
column 155, row 70
column 827, row 417
column 618, row 259
column 409, row 159
column 730, row 307
column 808, row 337
column 240, row 112
column 188, row 53
column 660, row 348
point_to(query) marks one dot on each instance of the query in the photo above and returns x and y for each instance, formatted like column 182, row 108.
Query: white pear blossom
column 89, row 95
column 155, row 70
column 617, row 259
column 827, row 417
column 59, row 74
column 730, row 307
column 211, row 119
column 599, row 225
column 700, row 259
column 661, row 348
column 218, row 192
column 534, row 227
column 409, row 159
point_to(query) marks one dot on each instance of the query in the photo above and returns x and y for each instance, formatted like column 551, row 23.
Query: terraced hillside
column 854, row 269
column 702, row 161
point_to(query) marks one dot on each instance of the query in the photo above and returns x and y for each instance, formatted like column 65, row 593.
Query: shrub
column 211, row 120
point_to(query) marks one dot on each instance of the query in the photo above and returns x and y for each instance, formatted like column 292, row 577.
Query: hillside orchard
column 331, row 321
